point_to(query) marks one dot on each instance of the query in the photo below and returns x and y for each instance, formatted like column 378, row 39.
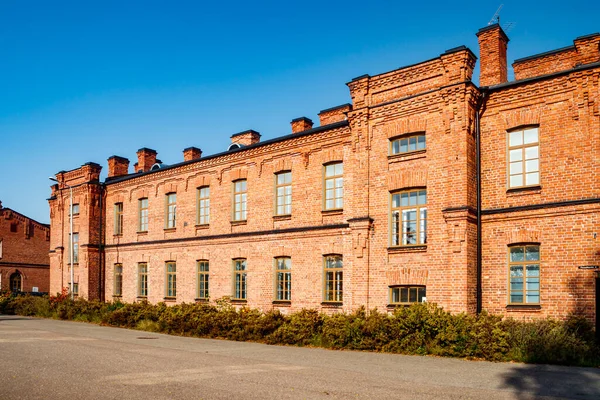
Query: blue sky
column 83, row 80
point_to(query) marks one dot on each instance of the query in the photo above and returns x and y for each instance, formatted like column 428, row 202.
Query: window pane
column 532, row 178
column 533, row 284
column 412, row 144
column 403, row 145
column 421, row 142
column 516, row 298
column 413, row 198
column 404, row 199
column 330, row 170
column 516, row 138
column 404, row 295
column 516, row 155
column 395, row 200
column 516, row 168
column 339, row 169
column 516, row 180
column 532, row 152
column 423, row 197
column 533, row 297
column 530, row 136
column 532, row 253
column 395, row 147
column 516, row 254
column 532, row 166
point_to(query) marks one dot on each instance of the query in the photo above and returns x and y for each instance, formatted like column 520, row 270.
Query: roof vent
column 157, row 166
column 234, row 146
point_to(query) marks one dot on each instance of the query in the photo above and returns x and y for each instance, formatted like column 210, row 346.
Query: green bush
column 418, row 329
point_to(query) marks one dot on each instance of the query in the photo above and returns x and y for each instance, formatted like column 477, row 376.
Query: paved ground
column 45, row 359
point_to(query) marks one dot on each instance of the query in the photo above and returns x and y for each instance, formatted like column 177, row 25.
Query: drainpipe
column 100, row 246
column 478, row 112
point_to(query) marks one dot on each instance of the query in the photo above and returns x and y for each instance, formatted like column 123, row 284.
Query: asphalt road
column 46, row 359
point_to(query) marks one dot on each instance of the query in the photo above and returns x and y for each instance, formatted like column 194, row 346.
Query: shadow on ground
column 556, row 381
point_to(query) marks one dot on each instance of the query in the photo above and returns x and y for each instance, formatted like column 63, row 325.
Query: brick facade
column 434, row 101
column 24, row 245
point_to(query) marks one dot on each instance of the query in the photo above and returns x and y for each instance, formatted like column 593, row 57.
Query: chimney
column 146, row 159
column 588, row 48
column 117, row 166
column 492, row 55
column 191, row 153
column 334, row 114
column 301, row 124
column 245, row 138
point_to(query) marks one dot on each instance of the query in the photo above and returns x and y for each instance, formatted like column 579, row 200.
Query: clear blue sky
column 83, row 80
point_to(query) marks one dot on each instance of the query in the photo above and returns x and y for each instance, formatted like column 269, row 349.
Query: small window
column 118, row 218
column 240, row 283
column 14, row 226
column 407, row 294
column 334, row 186
column 171, row 210
column 523, row 158
column 283, row 279
column 143, row 215
column 239, row 200
column 203, row 206
column 143, row 280
column 524, row 274
column 118, row 279
column 16, row 282
column 334, row 278
column 75, row 288
column 203, row 278
column 409, row 218
column 171, row 270
column 283, row 193
column 407, row 144
column 75, row 248
column 75, row 209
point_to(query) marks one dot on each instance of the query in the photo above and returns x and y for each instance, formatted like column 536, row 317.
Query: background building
column 424, row 187
column 24, row 245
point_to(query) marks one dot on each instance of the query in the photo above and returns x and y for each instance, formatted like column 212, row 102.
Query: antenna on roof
column 496, row 18
column 509, row 26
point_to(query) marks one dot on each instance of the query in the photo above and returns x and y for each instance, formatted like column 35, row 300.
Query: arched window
column 16, row 282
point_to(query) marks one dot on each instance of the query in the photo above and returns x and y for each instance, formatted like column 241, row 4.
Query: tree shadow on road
column 557, row 381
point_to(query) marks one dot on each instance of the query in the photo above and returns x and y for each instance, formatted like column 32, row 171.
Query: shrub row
column 418, row 329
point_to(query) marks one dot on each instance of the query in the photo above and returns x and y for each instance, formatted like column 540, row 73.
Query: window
column 283, row 279
column 408, row 144
column 75, row 209
column 118, row 280
column 202, row 290
column 334, row 186
column 523, row 158
column 334, row 278
column 143, row 215
column 524, row 275
column 171, row 210
column 239, row 200
column 171, row 279
column 407, row 294
column 283, row 193
column 118, row 218
column 75, row 288
column 239, row 279
column 75, row 248
column 409, row 218
column 203, row 206
column 143, row 280
column 16, row 282
column 14, row 226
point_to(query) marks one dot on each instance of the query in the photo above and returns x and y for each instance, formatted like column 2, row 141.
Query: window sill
column 412, row 155
column 202, row 226
column 240, row 222
column 170, row 299
column 202, row 300
column 418, row 248
column 142, row 298
column 239, row 301
column 524, row 190
column 282, row 303
column 524, row 307
column 169, row 229
column 118, row 235
column 285, row 217
column 142, row 232
column 334, row 211
column 117, row 296
column 332, row 304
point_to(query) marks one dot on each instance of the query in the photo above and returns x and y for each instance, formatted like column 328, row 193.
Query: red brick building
column 24, row 245
column 381, row 205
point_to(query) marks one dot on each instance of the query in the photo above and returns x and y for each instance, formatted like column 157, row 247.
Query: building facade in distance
column 24, row 246
column 426, row 187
